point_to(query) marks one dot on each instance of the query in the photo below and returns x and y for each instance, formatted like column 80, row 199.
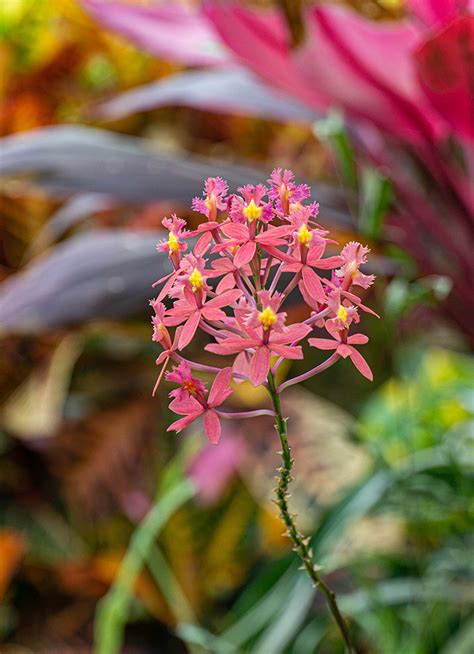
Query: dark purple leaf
column 67, row 160
column 78, row 208
column 234, row 91
column 94, row 275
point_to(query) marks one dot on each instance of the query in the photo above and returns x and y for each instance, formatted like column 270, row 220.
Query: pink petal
column 226, row 283
column 241, row 365
column 323, row 343
column 212, row 426
column 224, row 246
column 220, row 389
column 344, row 350
column 325, row 264
column 164, row 291
column 164, row 355
column 187, row 406
column 224, row 300
column 292, row 334
column 189, row 329
column 222, row 264
column 209, row 226
column 232, row 346
column 236, row 231
column 182, row 423
column 310, row 301
column 202, row 244
column 213, row 314
column 175, row 319
column 288, row 351
column 356, row 299
column 274, row 235
column 260, row 365
column 245, row 254
column 313, row 284
column 361, row 364
column 358, row 339
column 278, row 254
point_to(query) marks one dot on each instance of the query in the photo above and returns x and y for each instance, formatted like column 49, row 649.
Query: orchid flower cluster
column 253, row 251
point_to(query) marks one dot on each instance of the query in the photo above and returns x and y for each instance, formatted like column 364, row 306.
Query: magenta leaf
column 168, row 30
column 445, row 66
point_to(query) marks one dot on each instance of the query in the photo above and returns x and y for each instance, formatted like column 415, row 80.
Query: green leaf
column 309, row 637
column 112, row 613
column 463, row 640
column 332, row 131
column 286, row 623
column 375, row 200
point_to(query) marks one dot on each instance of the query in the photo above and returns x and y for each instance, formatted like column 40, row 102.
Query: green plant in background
column 404, row 534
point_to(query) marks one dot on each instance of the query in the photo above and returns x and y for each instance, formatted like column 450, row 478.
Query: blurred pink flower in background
column 213, row 467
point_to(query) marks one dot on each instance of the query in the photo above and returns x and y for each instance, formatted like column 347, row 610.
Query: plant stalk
column 300, row 542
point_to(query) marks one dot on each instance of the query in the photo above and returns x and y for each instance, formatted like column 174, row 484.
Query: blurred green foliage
column 83, row 446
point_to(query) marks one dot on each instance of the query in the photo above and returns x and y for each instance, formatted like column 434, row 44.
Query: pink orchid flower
column 245, row 239
column 162, row 336
column 354, row 256
column 250, row 207
column 344, row 347
column 285, row 192
column 215, row 190
column 173, row 246
column 191, row 310
column 225, row 268
column 194, row 406
column 306, row 255
column 266, row 334
column 254, row 326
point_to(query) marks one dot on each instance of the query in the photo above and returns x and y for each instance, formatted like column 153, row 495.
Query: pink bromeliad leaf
column 169, row 30
column 436, row 13
column 445, row 66
column 260, row 40
column 343, row 61
column 346, row 57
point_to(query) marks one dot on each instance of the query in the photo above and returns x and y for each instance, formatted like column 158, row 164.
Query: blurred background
column 112, row 115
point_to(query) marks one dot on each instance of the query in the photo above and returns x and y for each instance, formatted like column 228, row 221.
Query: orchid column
column 266, row 244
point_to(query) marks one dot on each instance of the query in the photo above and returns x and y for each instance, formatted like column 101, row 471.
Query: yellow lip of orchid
column 195, row 279
column 304, row 235
column 173, row 243
column 252, row 212
column 267, row 317
column 210, row 201
column 342, row 314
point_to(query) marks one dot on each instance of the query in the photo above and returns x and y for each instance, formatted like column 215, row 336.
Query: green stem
column 300, row 542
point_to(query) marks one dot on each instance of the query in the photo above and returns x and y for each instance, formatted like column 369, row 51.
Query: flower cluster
column 254, row 249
